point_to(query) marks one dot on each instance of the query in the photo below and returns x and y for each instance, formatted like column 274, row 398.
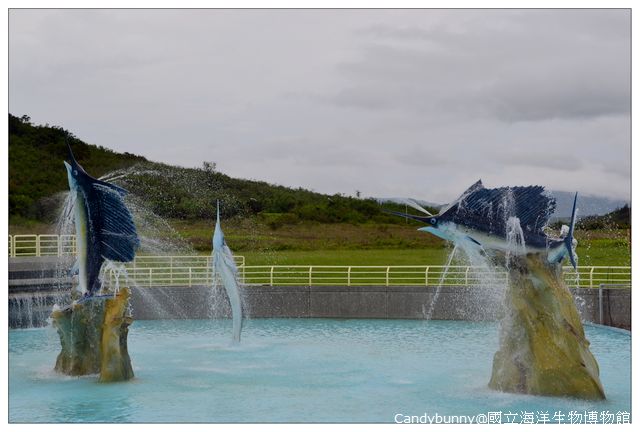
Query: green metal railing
column 41, row 245
column 196, row 270
column 434, row 275
column 38, row 245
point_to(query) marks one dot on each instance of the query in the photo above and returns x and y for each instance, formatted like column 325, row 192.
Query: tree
column 209, row 167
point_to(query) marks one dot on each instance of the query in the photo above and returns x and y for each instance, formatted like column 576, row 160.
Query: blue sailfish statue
column 93, row 329
column 104, row 226
column 543, row 348
column 225, row 268
column 480, row 217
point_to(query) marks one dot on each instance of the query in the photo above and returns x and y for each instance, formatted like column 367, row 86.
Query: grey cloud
column 620, row 168
column 362, row 97
column 422, row 157
column 527, row 66
column 416, row 103
column 530, row 158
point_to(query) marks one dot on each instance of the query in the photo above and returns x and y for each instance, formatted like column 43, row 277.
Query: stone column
column 543, row 349
column 93, row 337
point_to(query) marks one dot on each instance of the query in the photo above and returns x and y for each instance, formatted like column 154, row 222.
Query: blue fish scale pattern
column 488, row 210
column 117, row 233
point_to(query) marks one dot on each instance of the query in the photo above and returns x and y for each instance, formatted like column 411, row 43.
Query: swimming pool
column 296, row 370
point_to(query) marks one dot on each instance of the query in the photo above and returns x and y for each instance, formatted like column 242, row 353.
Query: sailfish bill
column 480, row 217
column 104, row 225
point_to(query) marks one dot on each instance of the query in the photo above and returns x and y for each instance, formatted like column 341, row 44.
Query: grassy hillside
column 617, row 219
column 252, row 234
column 268, row 224
column 36, row 174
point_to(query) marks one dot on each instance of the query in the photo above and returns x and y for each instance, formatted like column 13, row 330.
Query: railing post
column 171, row 269
column 387, row 276
column 190, row 279
column 271, row 277
column 310, row 280
column 466, row 277
column 150, row 277
column 349, row 276
column 426, row 276
column 591, row 277
column 600, row 308
column 38, row 245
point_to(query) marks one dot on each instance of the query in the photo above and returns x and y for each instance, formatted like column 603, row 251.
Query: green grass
column 371, row 244
column 270, row 224
column 367, row 257
column 603, row 252
column 604, row 248
column 349, row 244
column 254, row 235
column 594, row 248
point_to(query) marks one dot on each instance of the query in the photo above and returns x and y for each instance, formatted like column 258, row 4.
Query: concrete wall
column 35, row 285
column 403, row 302
column 616, row 306
column 320, row 302
column 27, row 309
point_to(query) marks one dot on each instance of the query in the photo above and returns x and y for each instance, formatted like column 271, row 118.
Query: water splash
column 485, row 296
column 28, row 310
column 488, row 282
column 112, row 274
column 445, row 271
column 157, row 238
column 64, row 227
column 515, row 239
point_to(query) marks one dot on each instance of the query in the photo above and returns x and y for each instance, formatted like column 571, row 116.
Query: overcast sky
column 417, row 103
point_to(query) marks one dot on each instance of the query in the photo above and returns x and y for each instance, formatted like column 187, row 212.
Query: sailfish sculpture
column 104, row 226
column 479, row 217
column 224, row 267
column 543, row 347
column 93, row 329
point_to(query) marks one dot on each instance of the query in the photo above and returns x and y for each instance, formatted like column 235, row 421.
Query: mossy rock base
column 93, row 337
column 543, row 349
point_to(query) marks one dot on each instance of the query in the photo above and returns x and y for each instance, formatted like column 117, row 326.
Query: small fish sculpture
column 224, row 267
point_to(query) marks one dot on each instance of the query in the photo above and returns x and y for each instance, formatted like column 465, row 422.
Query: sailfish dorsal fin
column 474, row 187
column 489, row 209
column 116, row 230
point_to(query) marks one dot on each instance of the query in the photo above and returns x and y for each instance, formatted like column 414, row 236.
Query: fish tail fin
column 568, row 240
column 72, row 157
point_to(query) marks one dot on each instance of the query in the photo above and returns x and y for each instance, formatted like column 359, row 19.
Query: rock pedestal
column 543, row 349
column 93, row 336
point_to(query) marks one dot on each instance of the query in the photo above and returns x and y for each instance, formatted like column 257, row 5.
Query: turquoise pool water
column 294, row 370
